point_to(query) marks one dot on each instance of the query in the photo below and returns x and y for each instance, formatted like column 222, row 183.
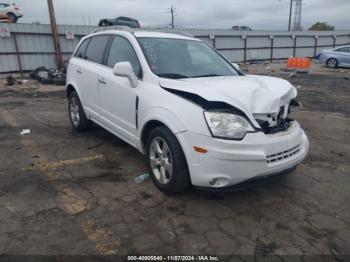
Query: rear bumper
column 229, row 163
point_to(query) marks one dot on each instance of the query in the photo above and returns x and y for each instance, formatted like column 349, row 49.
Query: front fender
column 164, row 116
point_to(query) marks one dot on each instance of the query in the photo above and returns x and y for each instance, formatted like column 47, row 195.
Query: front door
column 346, row 56
column 118, row 99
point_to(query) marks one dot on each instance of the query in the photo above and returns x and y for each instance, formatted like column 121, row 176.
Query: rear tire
column 76, row 113
column 172, row 161
column 332, row 63
column 12, row 18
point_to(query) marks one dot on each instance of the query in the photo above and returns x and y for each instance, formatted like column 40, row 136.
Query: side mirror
column 235, row 66
column 124, row 69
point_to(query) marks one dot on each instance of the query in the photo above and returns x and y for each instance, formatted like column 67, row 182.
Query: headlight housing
column 227, row 125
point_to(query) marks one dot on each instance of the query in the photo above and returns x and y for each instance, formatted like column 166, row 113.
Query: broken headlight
column 226, row 125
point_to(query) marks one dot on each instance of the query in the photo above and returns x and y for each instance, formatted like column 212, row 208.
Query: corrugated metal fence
column 28, row 46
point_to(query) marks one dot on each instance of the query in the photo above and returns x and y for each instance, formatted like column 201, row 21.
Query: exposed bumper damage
column 277, row 122
column 264, row 101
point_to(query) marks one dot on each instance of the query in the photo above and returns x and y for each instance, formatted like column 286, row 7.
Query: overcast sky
column 258, row 14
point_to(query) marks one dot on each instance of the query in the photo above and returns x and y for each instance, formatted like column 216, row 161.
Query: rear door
column 89, row 72
column 118, row 99
column 75, row 68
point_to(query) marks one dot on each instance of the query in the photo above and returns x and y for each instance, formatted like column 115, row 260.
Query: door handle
column 101, row 80
column 79, row 71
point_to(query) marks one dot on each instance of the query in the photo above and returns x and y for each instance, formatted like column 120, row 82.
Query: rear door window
column 96, row 48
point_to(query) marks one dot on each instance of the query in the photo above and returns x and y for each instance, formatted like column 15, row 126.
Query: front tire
column 76, row 113
column 166, row 161
column 332, row 63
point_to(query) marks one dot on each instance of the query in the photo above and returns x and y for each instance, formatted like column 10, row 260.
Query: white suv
column 10, row 12
column 197, row 119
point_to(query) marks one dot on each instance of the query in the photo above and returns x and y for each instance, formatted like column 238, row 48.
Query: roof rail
column 172, row 31
column 115, row 27
column 133, row 30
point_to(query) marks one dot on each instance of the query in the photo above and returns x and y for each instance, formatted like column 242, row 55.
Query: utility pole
column 172, row 9
column 297, row 15
column 55, row 34
column 290, row 14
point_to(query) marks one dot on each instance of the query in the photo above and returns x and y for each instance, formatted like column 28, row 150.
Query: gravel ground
column 67, row 193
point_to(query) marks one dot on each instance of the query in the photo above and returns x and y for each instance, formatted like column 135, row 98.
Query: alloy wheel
column 161, row 160
column 74, row 111
column 332, row 63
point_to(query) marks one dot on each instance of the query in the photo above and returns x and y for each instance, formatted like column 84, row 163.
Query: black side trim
column 210, row 105
column 137, row 112
column 106, row 52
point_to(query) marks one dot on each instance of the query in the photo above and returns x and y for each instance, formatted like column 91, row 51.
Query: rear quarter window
column 82, row 49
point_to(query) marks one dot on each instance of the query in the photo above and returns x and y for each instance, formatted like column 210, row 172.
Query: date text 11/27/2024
column 173, row 258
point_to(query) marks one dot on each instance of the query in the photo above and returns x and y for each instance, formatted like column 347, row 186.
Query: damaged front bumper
column 228, row 162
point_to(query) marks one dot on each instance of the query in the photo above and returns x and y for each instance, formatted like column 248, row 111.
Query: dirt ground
column 67, row 193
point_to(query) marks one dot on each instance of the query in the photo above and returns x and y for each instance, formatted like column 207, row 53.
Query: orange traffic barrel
column 298, row 62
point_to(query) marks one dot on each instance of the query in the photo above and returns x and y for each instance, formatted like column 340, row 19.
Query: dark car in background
column 241, row 28
column 121, row 20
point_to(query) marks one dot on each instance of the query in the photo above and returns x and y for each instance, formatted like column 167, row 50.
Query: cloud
column 264, row 15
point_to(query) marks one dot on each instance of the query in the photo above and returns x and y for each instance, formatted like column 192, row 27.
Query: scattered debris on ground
column 142, row 178
column 25, row 132
column 49, row 76
column 10, row 80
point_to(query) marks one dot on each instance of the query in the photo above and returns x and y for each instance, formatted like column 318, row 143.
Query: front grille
column 282, row 155
column 281, row 126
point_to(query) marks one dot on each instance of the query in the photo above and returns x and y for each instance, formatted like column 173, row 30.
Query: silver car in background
column 336, row 57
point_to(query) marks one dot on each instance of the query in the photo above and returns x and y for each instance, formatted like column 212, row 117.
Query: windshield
column 179, row 58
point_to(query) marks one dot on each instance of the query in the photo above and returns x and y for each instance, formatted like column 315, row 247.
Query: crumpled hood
column 250, row 93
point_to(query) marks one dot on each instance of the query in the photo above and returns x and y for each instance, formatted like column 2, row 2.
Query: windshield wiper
column 172, row 75
column 208, row 75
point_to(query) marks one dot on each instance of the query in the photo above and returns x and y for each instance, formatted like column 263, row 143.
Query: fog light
column 219, row 182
